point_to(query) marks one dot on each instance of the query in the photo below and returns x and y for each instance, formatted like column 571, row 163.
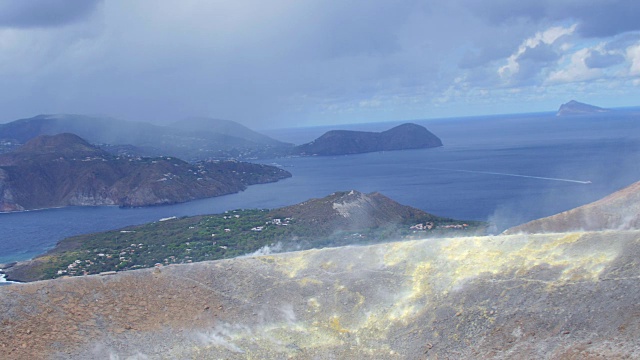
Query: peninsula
column 65, row 170
column 342, row 218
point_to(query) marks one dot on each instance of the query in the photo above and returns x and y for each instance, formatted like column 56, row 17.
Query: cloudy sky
column 285, row 63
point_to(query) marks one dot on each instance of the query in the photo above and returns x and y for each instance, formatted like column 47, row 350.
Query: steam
column 266, row 250
column 100, row 349
column 222, row 335
column 289, row 314
column 138, row 356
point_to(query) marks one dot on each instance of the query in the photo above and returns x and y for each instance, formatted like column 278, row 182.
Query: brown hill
column 353, row 210
column 63, row 170
column 620, row 210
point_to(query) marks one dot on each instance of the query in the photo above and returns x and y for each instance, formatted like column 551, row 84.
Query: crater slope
column 620, row 210
column 558, row 296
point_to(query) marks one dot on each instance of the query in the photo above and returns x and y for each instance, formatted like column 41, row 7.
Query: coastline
column 4, row 281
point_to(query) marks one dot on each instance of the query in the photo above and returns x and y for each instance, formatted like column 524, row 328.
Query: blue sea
column 506, row 169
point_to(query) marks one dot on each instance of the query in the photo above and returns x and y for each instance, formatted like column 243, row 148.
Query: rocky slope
column 192, row 139
column 344, row 142
column 577, row 108
column 620, row 210
column 554, row 296
column 63, row 170
column 349, row 210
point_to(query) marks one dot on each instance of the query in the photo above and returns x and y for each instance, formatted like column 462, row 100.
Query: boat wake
column 513, row 175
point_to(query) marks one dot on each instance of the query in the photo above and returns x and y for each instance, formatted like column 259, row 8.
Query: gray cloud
column 596, row 18
column 281, row 62
column 622, row 42
column 598, row 60
column 44, row 13
column 608, row 18
column 543, row 53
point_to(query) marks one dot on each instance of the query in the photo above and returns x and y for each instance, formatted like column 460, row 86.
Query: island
column 65, row 170
column 342, row 218
column 345, row 142
column 577, row 108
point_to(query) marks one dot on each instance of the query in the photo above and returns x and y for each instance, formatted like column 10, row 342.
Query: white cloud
column 576, row 70
column 547, row 37
column 633, row 57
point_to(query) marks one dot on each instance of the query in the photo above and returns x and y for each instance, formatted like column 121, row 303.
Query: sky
column 289, row 63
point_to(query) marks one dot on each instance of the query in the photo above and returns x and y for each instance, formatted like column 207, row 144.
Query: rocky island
column 65, row 170
column 345, row 142
column 577, row 108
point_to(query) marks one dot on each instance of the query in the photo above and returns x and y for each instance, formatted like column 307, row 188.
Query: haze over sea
column 505, row 169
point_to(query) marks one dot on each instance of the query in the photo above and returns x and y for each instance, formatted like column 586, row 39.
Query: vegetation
column 211, row 237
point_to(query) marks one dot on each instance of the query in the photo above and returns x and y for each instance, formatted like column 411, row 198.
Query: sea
column 505, row 169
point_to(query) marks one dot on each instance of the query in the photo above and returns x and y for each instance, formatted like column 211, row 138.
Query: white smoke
column 222, row 336
column 266, row 250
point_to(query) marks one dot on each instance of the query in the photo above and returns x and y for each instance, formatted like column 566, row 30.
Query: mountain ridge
column 617, row 211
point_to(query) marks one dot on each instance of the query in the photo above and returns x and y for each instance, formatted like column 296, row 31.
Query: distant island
column 577, row 108
column 345, row 142
column 65, row 170
column 342, row 218
column 192, row 139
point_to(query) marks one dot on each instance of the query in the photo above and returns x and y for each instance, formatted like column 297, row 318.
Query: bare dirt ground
column 553, row 296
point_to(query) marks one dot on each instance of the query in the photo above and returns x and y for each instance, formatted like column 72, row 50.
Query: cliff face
column 344, row 142
column 63, row 170
column 560, row 296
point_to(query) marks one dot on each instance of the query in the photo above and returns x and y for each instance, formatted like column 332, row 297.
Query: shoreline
column 3, row 279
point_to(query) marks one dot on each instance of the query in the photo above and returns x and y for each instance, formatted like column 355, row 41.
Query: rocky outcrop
column 64, row 170
column 618, row 211
column 577, row 108
column 558, row 296
column 344, row 142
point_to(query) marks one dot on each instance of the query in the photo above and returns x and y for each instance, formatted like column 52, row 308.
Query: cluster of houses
column 76, row 268
column 422, row 227
column 429, row 226
column 277, row 222
column 81, row 267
